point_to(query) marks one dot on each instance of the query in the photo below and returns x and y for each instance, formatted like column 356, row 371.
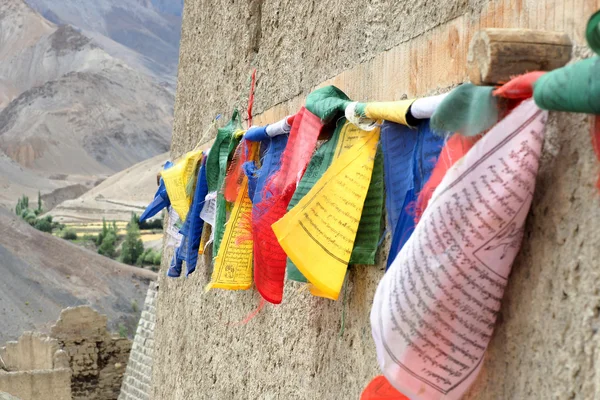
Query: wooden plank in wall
column 437, row 59
column 497, row 54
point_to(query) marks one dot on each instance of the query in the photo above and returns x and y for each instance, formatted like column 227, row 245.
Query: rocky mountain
column 67, row 107
column 42, row 274
column 151, row 28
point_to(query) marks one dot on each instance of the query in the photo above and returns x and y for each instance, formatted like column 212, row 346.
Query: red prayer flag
column 380, row 389
column 269, row 257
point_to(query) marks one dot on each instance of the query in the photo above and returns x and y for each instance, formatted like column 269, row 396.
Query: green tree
column 39, row 201
column 43, row 225
column 133, row 246
column 150, row 257
column 107, row 247
column 22, row 204
column 30, row 217
column 102, row 233
column 68, row 234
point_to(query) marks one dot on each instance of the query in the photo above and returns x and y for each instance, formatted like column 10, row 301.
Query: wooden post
column 496, row 55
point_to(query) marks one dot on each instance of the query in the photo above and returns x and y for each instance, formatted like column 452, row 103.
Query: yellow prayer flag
column 176, row 179
column 318, row 233
column 394, row 111
column 233, row 265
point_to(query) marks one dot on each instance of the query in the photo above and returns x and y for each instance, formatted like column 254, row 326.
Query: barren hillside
column 43, row 274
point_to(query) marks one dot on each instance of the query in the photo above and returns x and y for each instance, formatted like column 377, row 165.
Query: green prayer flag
column 327, row 102
column 575, row 87
column 216, row 169
column 468, row 110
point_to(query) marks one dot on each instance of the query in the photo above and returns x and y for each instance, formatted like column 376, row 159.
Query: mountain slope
column 151, row 28
column 117, row 123
column 62, row 51
column 72, row 108
column 14, row 15
column 43, row 274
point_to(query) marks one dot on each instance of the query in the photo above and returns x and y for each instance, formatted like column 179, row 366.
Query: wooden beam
column 495, row 55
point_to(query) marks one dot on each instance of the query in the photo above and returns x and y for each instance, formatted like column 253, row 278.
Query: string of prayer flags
column 269, row 257
column 161, row 199
column 318, row 233
column 216, row 168
column 345, row 136
column 434, row 310
column 233, row 265
column 468, row 110
column 409, row 158
column 176, row 179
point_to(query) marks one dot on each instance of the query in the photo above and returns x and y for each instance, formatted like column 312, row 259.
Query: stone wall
column 138, row 376
column 38, row 385
column 34, row 367
column 97, row 358
column 31, row 351
column 545, row 341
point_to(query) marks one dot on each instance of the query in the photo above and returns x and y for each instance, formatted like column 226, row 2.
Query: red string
column 251, row 97
column 251, row 314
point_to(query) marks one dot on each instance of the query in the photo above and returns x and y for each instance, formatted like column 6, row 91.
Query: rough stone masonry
column 79, row 360
column 546, row 339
